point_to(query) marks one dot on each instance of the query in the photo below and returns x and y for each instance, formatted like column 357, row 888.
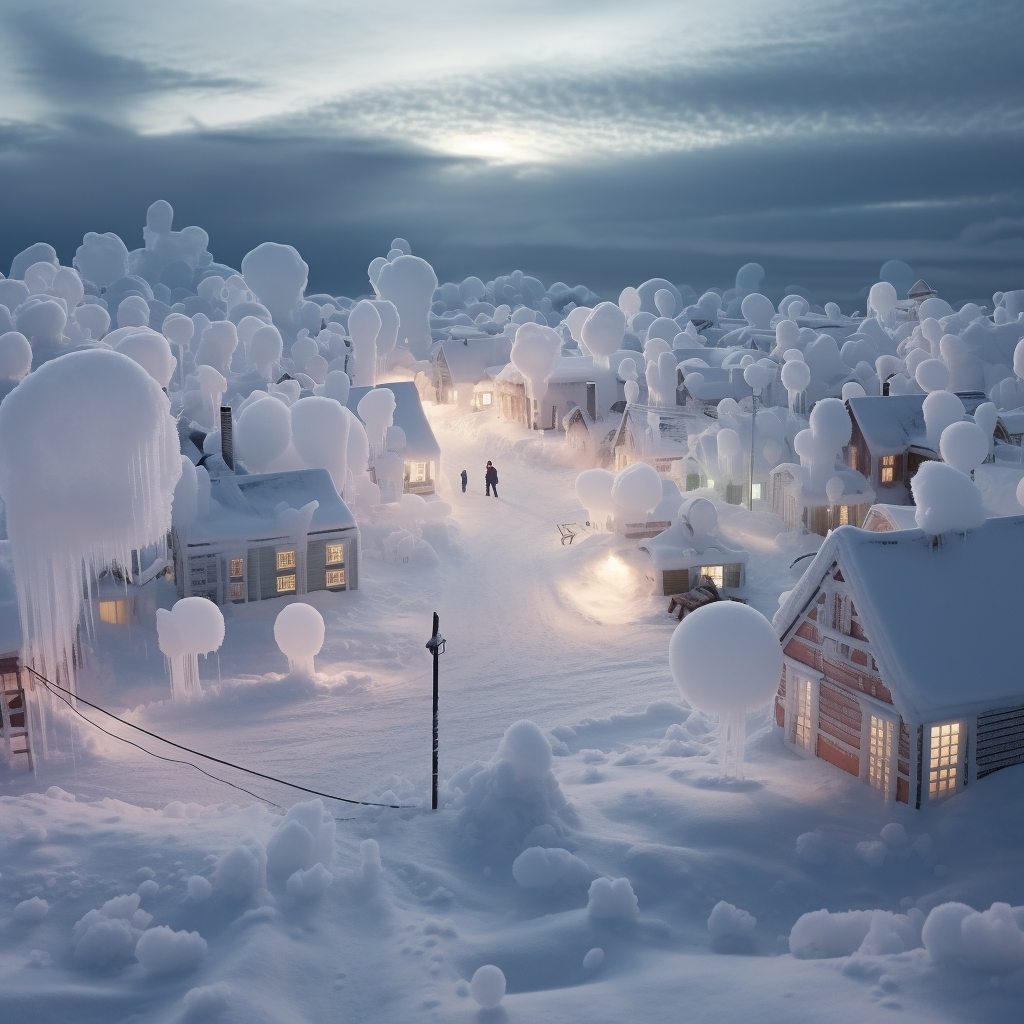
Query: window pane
column 944, row 762
column 485, row 398
column 335, row 577
column 335, row 553
column 285, row 584
column 237, row 567
column 237, row 591
column 286, row 560
column 716, row 572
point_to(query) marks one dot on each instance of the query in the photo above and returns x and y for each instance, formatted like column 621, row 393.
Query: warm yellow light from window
column 844, row 515
column 237, row 591
column 285, row 584
column 945, row 759
column 335, row 577
column 888, row 469
column 285, row 560
column 237, row 567
column 485, row 399
column 115, row 612
column 716, row 573
column 335, row 553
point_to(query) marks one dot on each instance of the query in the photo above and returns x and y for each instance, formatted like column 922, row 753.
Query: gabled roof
column 856, row 490
column 468, row 360
column 678, row 548
column 245, row 506
column 942, row 650
column 893, row 423
column 420, row 442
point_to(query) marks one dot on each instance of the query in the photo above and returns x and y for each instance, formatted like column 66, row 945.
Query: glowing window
column 801, row 729
column 285, row 560
column 237, row 591
column 335, row 577
column 879, row 753
column 710, row 483
column 757, row 492
column 285, row 584
column 453, row 396
column 417, row 471
column 844, row 515
column 115, row 612
column 888, row 469
column 944, row 762
column 335, row 553
column 485, row 399
column 237, row 567
column 716, row 573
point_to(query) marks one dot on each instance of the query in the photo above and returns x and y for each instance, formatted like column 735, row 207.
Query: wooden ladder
column 14, row 712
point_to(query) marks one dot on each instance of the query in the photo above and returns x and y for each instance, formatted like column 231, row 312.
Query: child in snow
column 465, row 480
column 491, row 479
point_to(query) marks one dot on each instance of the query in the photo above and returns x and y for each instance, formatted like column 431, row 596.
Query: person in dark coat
column 491, row 479
column 465, row 480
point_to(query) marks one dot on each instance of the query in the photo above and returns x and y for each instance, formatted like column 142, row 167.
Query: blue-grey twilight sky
column 582, row 140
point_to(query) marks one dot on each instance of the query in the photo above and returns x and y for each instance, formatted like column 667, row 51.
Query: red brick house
column 892, row 672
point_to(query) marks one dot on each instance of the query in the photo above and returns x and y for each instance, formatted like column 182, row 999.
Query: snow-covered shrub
column 539, row 868
column 107, row 936
column 729, row 924
column 612, row 899
column 162, row 950
column 820, row 935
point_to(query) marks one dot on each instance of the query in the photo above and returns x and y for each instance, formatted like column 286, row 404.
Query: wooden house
column 679, row 559
column 888, row 678
column 461, row 370
column 422, row 453
column 246, row 550
column 804, row 507
column 889, row 441
column 575, row 383
column 658, row 435
column 14, row 680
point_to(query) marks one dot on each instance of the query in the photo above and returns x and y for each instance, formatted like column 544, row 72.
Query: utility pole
column 753, row 424
column 436, row 647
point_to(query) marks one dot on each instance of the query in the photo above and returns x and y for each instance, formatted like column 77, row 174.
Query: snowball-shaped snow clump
column 594, row 489
column 241, row 871
column 990, row 941
column 637, row 489
column 726, row 658
column 539, row 868
column 612, row 899
column 964, row 445
column 946, row 499
column 299, row 632
column 31, row 910
column 488, row 986
column 262, row 433
column 527, row 749
column 162, row 950
column 728, row 923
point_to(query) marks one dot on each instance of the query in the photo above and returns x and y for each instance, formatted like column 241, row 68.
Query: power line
column 197, row 753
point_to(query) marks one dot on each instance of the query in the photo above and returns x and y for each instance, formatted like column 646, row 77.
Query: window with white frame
column 335, row 578
column 417, row 472
column 237, row 568
column 716, row 573
column 800, row 729
column 879, row 752
column 485, row 399
column 285, row 560
column 237, row 591
column 335, row 553
column 944, row 759
column 286, row 584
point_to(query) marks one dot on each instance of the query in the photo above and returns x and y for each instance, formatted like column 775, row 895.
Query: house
column 801, row 505
column 890, row 441
column 583, row 438
column 887, row 518
column 575, row 382
column 422, row 453
column 14, row 712
column 658, row 519
column 651, row 433
column 876, row 682
column 268, row 535
column 681, row 555
column 460, row 366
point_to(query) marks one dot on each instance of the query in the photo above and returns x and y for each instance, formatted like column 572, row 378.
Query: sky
column 578, row 140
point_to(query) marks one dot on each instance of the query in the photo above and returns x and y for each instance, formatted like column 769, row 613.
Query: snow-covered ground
column 566, row 637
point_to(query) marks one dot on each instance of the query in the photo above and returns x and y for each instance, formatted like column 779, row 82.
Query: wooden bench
column 704, row 593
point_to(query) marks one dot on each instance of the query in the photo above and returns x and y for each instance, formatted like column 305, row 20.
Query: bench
column 704, row 593
column 568, row 531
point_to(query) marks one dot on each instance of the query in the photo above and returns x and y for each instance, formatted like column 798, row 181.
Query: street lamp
column 436, row 647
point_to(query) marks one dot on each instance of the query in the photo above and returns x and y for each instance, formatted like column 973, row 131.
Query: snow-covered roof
column 856, row 490
column 893, row 423
column 468, row 360
column 10, row 619
column 941, row 653
column 245, row 506
column 678, row 548
column 898, row 517
column 420, row 442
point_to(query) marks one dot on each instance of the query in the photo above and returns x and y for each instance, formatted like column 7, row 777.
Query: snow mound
column 539, row 868
column 990, row 940
column 593, row 959
column 310, row 884
column 208, row 1001
column 821, row 935
column 241, row 871
column 107, row 936
column 488, row 986
column 946, row 499
column 304, row 838
column 612, row 900
column 199, row 888
column 503, row 802
column 728, row 923
column 162, row 950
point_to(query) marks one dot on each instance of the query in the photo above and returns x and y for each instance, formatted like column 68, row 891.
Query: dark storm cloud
column 871, row 132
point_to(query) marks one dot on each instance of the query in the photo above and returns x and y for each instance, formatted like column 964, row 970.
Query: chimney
column 592, row 400
column 227, row 446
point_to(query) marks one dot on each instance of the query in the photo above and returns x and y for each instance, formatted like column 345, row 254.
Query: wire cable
column 198, row 753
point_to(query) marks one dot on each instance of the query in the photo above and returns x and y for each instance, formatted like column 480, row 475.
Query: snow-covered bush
column 162, row 950
column 612, row 899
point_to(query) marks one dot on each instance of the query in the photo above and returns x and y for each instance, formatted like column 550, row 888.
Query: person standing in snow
column 465, row 480
column 491, row 479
